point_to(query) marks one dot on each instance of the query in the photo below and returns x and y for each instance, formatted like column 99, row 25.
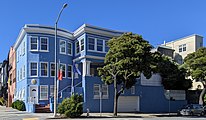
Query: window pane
column 52, row 69
column 99, row 45
column 33, row 43
column 184, row 47
column 91, row 43
column 62, row 47
column 63, row 66
column 77, row 47
column 69, row 48
column 43, row 69
column 69, row 74
column 33, row 68
column 82, row 44
column 106, row 47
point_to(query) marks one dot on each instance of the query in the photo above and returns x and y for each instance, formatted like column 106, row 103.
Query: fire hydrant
column 87, row 112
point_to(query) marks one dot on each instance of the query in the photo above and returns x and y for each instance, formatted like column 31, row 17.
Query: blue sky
column 155, row 20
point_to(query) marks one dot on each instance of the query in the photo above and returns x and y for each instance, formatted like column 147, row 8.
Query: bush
column 71, row 107
column 2, row 101
column 19, row 105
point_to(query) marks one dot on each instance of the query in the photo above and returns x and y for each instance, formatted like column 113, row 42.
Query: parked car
column 192, row 109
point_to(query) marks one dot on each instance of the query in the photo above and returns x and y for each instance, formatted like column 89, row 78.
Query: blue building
column 86, row 47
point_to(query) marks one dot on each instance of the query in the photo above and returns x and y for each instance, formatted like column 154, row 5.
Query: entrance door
column 34, row 94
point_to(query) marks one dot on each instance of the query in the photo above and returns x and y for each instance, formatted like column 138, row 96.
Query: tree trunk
column 115, row 98
column 201, row 97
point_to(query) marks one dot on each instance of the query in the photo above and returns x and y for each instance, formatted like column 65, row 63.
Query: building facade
column 184, row 46
column 86, row 48
column 12, row 76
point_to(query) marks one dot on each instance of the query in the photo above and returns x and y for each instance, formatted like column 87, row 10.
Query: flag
column 60, row 73
column 76, row 70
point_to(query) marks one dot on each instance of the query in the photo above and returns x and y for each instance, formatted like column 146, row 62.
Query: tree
column 173, row 76
column 129, row 56
column 195, row 63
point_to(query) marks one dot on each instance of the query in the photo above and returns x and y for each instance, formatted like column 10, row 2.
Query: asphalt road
column 12, row 114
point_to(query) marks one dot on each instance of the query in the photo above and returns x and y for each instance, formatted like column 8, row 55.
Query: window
column 99, row 45
column 43, row 92
column 44, row 44
column 69, row 48
column 133, row 90
column 62, row 47
column 105, row 94
column 44, row 69
column 63, row 66
column 91, row 43
column 33, row 44
column 106, row 46
column 24, row 48
column 52, row 69
column 51, row 90
column 24, row 71
column 182, row 48
column 23, row 94
column 33, row 69
column 96, row 91
column 82, row 44
column 77, row 47
column 20, row 73
column 69, row 72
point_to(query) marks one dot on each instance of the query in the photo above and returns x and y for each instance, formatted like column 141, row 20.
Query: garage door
column 128, row 104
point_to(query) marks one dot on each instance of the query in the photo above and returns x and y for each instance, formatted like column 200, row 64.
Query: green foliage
column 2, row 101
column 195, row 63
column 128, row 56
column 72, row 107
column 19, row 105
column 173, row 76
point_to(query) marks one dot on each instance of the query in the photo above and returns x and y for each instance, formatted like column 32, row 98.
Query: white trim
column 71, row 70
column 71, row 48
column 30, row 43
column 41, row 92
column 64, row 53
column 51, row 69
column 30, row 69
column 41, row 69
column 24, row 72
column 47, row 44
column 76, row 48
column 37, row 90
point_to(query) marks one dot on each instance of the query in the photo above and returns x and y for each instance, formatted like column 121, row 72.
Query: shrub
column 19, row 105
column 2, row 101
column 71, row 107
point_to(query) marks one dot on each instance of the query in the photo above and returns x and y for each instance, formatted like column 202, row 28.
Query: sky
column 156, row 20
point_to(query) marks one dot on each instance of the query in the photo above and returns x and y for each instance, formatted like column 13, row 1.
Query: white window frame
column 30, row 69
column 107, row 91
column 47, row 44
column 20, row 73
column 41, row 69
column 184, row 46
column 24, row 72
column 68, row 48
column 36, row 43
column 80, row 44
column 23, row 94
column 43, row 92
column 133, row 90
column 65, row 70
column 97, row 91
column 76, row 48
column 51, row 92
column 94, row 44
column 51, row 69
column 99, row 45
column 70, row 71
column 24, row 48
column 60, row 51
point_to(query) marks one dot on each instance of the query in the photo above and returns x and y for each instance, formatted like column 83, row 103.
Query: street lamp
column 55, row 78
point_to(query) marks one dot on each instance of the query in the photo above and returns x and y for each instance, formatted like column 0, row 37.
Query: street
column 12, row 114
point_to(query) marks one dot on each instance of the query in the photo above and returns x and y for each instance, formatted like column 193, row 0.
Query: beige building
column 182, row 47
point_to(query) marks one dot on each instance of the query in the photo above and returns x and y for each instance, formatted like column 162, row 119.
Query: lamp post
column 55, row 60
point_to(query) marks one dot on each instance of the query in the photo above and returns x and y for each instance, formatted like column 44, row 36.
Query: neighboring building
column 86, row 48
column 185, row 46
column 4, row 79
column 12, row 76
column 167, row 51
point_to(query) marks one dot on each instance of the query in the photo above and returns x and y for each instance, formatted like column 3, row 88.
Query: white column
column 88, row 68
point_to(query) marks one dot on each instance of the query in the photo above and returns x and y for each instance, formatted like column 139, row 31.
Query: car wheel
column 191, row 113
column 202, row 114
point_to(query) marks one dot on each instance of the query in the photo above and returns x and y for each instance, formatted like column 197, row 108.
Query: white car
column 192, row 109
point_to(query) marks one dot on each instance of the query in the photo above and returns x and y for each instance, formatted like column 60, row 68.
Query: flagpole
column 58, row 82
column 72, row 86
